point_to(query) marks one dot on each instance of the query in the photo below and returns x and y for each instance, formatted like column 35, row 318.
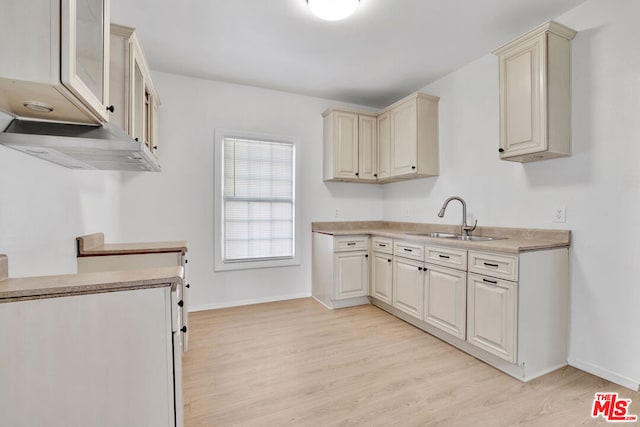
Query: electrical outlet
column 560, row 214
column 337, row 213
column 406, row 212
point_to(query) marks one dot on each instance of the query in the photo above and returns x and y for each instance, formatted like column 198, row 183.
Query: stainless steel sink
column 456, row 236
column 476, row 238
column 436, row 234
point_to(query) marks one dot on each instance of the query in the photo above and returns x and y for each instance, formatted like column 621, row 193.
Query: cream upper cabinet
column 445, row 299
column 367, row 148
column 350, row 146
column 413, row 136
column 399, row 143
column 535, row 94
column 384, row 146
column 60, row 68
column 132, row 92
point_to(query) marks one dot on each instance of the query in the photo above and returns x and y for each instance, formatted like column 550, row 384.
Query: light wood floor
column 297, row 363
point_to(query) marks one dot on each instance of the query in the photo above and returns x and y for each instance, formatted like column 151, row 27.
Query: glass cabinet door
column 85, row 46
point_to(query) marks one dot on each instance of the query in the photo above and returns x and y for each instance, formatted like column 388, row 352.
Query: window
column 256, row 211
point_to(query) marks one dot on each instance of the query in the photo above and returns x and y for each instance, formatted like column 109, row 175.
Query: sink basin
column 476, row 238
column 436, row 234
column 456, row 236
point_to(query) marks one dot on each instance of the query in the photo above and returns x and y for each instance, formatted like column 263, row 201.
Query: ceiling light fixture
column 333, row 10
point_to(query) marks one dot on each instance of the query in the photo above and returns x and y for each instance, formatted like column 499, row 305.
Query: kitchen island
column 99, row 349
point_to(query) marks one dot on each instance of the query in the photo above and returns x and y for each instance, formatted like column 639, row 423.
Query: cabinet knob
column 413, row 167
column 419, row 268
column 155, row 147
column 111, row 108
column 135, row 139
column 388, row 260
column 500, row 150
column 357, row 174
column 366, row 256
column 186, row 261
column 184, row 329
column 188, row 285
column 375, row 175
column 180, row 303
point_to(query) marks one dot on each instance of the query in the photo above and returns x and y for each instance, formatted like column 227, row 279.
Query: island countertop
column 29, row 288
column 94, row 245
column 510, row 240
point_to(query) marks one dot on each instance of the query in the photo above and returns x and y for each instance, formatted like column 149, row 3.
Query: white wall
column 43, row 207
column 178, row 204
column 599, row 184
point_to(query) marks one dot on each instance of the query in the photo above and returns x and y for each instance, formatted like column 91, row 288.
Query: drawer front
column 409, row 250
column 494, row 265
column 446, row 257
column 382, row 244
column 350, row 243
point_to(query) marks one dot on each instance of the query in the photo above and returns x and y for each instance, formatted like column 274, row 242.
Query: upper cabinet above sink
column 535, row 94
column 55, row 60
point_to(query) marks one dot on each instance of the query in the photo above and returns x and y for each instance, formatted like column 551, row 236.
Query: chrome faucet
column 464, row 229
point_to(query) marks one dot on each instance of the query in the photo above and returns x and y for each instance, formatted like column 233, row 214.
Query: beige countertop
column 512, row 240
column 93, row 245
column 28, row 288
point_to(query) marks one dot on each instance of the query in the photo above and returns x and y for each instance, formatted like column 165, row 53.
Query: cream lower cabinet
column 107, row 359
column 381, row 276
column 491, row 315
column 445, row 299
column 340, row 270
column 351, row 274
column 408, row 286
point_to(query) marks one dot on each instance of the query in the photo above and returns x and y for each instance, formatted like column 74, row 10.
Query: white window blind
column 258, row 200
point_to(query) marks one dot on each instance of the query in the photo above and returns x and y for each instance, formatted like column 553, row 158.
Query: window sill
column 249, row 265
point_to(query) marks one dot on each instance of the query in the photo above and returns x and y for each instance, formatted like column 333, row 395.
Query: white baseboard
column 606, row 374
column 238, row 303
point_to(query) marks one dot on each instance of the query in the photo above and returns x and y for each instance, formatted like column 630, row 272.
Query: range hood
column 76, row 146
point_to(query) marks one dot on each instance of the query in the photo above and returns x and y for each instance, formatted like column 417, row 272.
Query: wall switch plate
column 560, row 214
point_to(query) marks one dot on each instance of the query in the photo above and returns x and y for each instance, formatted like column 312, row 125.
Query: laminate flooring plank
column 296, row 363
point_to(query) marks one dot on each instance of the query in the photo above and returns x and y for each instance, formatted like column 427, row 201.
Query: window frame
column 218, row 203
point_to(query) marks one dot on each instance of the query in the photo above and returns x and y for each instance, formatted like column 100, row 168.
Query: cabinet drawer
column 350, row 243
column 382, row 244
column 494, row 265
column 447, row 257
column 409, row 250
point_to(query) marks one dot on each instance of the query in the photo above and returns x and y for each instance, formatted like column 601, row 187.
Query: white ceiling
column 385, row 51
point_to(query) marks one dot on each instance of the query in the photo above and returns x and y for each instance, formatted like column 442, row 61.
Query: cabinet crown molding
column 548, row 27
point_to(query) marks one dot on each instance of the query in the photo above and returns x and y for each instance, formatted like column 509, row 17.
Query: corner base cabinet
column 340, row 276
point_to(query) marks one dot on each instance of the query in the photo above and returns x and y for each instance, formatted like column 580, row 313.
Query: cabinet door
column 404, row 150
column 352, row 279
column 367, row 148
column 384, row 146
column 522, row 99
column 85, row 51
column 138, row 100
column 381, row 277
column 408, row 286
column 491, row 315
column 345, row 141
column 445, row 299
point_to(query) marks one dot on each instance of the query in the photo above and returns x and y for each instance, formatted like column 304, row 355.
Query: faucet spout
column 464, row 228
